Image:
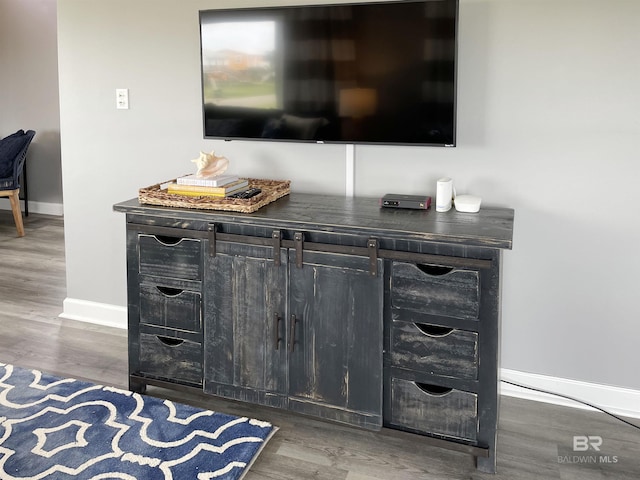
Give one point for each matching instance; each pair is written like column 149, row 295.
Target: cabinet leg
column 487, row 464
column 136, row 385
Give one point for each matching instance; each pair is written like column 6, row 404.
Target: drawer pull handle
column 434, row 270
column 169, row 292
column 170, row 342
column 168, row 241
column 277, row 336
column 434, row 390
column 433, row 330
column 292, row 340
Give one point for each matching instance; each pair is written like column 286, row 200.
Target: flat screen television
column 361, row 73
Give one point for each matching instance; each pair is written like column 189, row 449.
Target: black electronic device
column 251, row 192
column 358, row 73
column 415, row 202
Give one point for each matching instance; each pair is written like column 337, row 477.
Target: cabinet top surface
column 491, row 227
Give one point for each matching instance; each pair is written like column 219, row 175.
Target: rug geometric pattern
column 62, row 428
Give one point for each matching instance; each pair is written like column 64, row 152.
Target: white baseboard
column 38, row 207
column 619, row 401
column 94, row 312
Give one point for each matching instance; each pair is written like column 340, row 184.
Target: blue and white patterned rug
column 61, row 428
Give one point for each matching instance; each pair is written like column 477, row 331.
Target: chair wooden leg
column 17, row 214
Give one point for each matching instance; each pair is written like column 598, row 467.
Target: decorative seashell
column 209, row 165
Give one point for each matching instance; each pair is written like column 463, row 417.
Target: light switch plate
column 122, row 98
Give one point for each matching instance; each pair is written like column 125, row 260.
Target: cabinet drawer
column 170, row 256
column 433, row 409
column 435, row 291
column 170, row 307
column 436, row 350
column 171, row 358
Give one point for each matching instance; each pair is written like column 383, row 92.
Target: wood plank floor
column 531, row 436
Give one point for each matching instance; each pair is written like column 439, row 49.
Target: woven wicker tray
column 271, row 191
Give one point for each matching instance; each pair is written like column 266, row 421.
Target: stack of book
column 215, row 186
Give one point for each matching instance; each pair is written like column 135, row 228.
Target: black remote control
column 251, row 192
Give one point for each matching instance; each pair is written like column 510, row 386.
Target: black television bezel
column 331, row 142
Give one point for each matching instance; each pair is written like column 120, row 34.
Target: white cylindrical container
column 444, row 194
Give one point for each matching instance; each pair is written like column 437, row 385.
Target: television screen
column 352, row 73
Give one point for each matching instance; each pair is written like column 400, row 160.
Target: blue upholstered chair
column 13, row 152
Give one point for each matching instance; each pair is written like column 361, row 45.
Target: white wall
column 548, row 124
column 29, row 95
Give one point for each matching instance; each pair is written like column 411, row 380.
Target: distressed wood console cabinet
column 326, row 306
